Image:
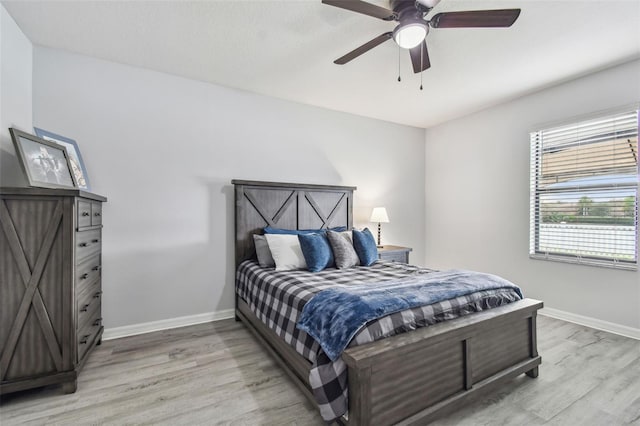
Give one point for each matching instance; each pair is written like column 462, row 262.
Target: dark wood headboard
column 288, row 206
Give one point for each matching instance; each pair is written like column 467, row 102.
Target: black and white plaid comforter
column 277, row 299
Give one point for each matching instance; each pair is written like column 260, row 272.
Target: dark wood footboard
column 415, row 377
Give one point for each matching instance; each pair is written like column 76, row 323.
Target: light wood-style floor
column 217, row 373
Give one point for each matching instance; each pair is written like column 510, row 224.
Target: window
column 584, row 192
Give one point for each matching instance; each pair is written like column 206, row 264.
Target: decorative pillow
column 265, row 259
column 270, row 230
column 286, row 252
column 317, row 251
column 343, row 251
column 348, row 235
column 365, row 246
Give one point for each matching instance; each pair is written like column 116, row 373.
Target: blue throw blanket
column 334, row 316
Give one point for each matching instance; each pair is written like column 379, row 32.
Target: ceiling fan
column 413, row 27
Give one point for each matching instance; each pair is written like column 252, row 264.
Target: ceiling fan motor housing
column 406, row 8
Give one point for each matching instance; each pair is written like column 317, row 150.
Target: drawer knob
column 97, row 322
column 84, row 276
column 97, row 295
column 95, row 241
column 85, row 213
column 85, row 244
column 85, row 339
column 97, row 214
column 97, row 268
column 85, row 307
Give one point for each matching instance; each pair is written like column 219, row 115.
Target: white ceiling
column 286, row 49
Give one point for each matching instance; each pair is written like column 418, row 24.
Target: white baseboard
column 610, row 327
column 148, row 327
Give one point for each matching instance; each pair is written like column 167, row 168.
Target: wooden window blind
column 584, row 191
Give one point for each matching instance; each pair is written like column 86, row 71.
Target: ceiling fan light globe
column 410, row 35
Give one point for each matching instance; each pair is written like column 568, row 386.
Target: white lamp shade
column 379, row 215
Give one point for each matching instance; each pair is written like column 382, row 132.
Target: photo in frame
column 45, row 163
column 77, row 164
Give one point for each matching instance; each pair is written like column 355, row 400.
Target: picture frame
column 45, row 163
column 77, row 163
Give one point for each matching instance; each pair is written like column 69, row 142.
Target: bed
column 409, row 378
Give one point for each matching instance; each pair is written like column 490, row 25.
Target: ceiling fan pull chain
column 421, row 66
column 399, row 79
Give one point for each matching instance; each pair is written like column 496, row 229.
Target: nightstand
column 394, row 253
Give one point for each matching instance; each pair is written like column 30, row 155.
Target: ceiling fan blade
column 475, row 18
column 364, row 48
column 364, row 8
column 420, row 57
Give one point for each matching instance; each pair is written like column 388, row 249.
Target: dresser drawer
column 87, row 334
column 96, row 214
column 87, row 243
column 87, row 302
column 89, row 214
column 84, row 214
column 396, row 257
column 87, row 272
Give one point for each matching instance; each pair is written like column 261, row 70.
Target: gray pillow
column 265, row 259
column 343, row 251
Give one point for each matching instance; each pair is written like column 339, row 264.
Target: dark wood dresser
column 50, row 285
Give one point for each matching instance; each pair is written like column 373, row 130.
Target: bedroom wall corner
column 16, row 93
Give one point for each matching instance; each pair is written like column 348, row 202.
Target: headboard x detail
column 288, row 206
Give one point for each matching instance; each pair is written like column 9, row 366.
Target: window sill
column 624, row 266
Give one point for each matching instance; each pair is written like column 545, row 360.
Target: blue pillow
column 316, row 251
column 365, row 246
column 270, row 230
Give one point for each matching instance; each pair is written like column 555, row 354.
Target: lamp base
column 379, row 246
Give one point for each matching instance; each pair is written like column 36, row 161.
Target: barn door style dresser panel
column 50, row 285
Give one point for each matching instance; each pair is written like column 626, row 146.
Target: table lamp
column 379, row 214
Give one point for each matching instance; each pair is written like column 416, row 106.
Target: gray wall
column 477, row 197
column 16, row 64
column 164, row 149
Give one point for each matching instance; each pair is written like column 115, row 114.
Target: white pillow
column 286, row 252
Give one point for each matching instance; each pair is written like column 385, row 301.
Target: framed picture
column 45, row 163
column 77, row 164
